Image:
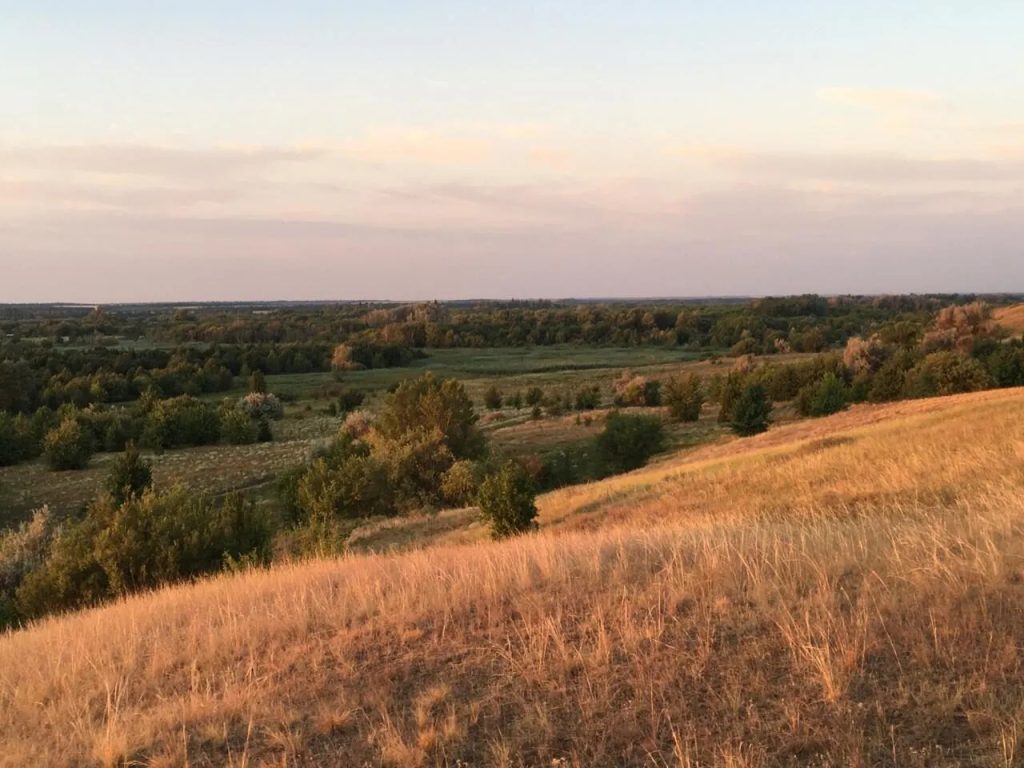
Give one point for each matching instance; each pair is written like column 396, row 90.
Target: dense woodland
column 74, row 382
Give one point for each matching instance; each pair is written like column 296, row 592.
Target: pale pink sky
column 451, row 150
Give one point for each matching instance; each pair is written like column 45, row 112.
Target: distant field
column 840, row 592
column 217, row 469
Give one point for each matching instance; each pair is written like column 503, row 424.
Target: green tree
column 684, row 397
column 258, row 382
column 828, row 396
column 429, row 403
column 507, row 500
column 67, row 446
column 731, row 388
column 628, row 441
column 130, row 477
column 752, row 411
column 492, row 398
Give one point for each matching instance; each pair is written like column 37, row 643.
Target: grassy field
column 220, row 468
column 847, row 592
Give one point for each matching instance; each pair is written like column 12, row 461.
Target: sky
column 235, row 150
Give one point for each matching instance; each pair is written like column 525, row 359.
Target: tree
column 946, row 373
column 828, row 396
column 751, row 413
column 732, row 388
column 628, row 441
column 429, row 403
column 492, row 398
column 534, row 396
column 67, row 446
column 507, row 500
column 131, row 475
column 684, row 397
column 257, row 382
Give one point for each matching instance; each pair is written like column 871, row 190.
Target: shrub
column 828, row 396
column 350, row 399
column 630, row 390
column 946, row 373
column 429, row 403
column 181, row 421
column 507, row 501
column 415, row 463
column 130, row 476
column 492, row 398
column 356, row 485
column 731, row 387
column 751, row 412
column 460, row 483
column 16, row 440
column 257, row 383
column 144, row 542
column 684, row 397
column 67, row 446
column 587, row 398
column 261, row 405
column 357, row 424
column 864, row 356
column 888, row 383
column 534, row 396
column 21, row 551
column 628, row 441
column 237, row 428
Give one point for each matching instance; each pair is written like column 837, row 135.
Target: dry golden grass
column 1011, row 317
column 848, row 591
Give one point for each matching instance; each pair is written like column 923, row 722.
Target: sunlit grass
column 848, row 591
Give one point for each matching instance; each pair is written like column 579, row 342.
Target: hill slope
column 1011, row 317
column 845, row 591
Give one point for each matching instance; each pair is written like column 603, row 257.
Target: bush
column 130, row 477
column 16, row 440
column 261, row 405
column 22, row 550
column 415, row 464
column 461, row 482
column 181, row 421
column 351, row 487
column 946, row 373
column 507, row 501
column 534, row 396
column 630, row 390
column 237, row 428
column 751, row 413
column 142, row 543
column 587, row 398
column 828, row 396
column 628, row 441
column 730, row 390
column 429, row 403
column 67, row 446
column 492, row 398
column 684, row 397
column 350, row 399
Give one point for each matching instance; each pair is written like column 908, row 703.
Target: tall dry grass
column 853, row 599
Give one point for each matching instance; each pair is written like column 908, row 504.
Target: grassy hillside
column 847, row 591
column 1011, row 317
